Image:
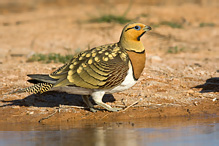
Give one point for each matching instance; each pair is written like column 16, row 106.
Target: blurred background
column 60, row 26
column 23, row 5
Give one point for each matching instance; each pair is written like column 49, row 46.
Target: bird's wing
column 101, row 67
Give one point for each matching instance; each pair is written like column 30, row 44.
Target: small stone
column 31, row 113
column 155, row 59
column 190, row 69
column 195, row 103
column 214, row 99
column 202, row 72
column 197, row 64
column 15, row 107
column 190, row 91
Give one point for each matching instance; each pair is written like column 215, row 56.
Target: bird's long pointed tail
column 36, row 88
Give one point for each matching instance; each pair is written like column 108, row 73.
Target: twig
column 49, row 116
column 125, row 108
column 128, row 9
column 71, row 106
column 58, row 110
column 136, row 102
column 104, row 116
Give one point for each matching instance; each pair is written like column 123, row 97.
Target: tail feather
column 42, row 83
column 40, row 78
column 36, row 88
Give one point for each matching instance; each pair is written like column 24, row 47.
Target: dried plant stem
column 134, row 103
column 71, row 106
column 49, row 115
column 128, row 9
column 58, row 110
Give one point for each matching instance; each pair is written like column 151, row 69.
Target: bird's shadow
column 53, row 99
column 211, row 85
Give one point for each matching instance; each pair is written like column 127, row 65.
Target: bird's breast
column 138, row 62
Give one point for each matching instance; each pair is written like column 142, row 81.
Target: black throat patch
column 138, row 38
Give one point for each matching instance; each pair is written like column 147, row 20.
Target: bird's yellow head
column 131, row 34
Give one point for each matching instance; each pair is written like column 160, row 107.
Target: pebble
column 202, row 72
column 190, row 91
column 31, row 113
column 155, row 59
column 15, row 107
column 195, row 103
column 214, row 99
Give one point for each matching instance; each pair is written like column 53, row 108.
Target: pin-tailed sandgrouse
column 105, row 69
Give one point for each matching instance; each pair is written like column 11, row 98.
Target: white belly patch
column 127, row 83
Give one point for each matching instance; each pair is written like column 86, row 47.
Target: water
column 173, row 131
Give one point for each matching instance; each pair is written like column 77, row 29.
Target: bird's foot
column 114, row 109
column 108, row 107
column 93, row 110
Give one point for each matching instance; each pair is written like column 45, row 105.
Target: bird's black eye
column 137, row 27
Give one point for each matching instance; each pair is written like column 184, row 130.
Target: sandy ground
column 182, row 83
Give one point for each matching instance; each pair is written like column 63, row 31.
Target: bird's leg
column 98, row 96
column 88, row 103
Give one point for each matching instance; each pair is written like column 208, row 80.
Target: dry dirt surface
column 181, row 76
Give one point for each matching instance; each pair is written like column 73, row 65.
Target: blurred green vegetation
column 144, row 15
column 48, row 58
column 175, row 50
column 171, row 24
column 206, row 24
column 111, row 18
column 155, row 25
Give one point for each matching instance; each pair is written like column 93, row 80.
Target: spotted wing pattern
column 102, row 67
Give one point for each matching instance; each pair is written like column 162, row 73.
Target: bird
column 105, row 69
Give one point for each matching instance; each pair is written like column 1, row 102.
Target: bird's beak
column 147, row 28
